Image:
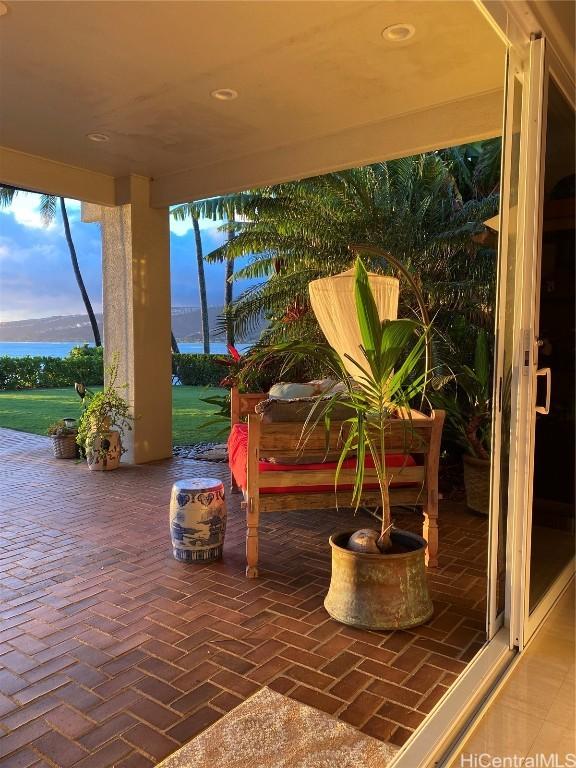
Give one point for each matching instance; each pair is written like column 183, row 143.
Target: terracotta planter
column 477, row 483
column 375, row 591
column 110, row 442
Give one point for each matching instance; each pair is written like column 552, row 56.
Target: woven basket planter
column 477, row 483
column 64, row 446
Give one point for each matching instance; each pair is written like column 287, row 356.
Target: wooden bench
column 418, row 436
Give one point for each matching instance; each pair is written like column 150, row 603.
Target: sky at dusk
column 36, row 277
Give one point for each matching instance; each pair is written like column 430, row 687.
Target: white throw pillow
column 292, row 391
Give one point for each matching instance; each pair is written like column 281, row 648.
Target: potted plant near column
column 468, row 406
column 63, row 433
column 105, row 419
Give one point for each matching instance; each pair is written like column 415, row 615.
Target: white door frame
column 525, row 351
column 495, row 617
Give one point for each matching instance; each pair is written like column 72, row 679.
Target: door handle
column 545, row 409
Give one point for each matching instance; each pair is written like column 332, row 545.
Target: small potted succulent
column 105, row 418
column 63, row 433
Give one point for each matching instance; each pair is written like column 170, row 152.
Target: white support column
column 137, row 313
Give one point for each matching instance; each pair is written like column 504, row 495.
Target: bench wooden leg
column 430, row 533
column 233, row 485
column 252, row 521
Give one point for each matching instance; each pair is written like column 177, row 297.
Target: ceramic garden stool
column 197, row 519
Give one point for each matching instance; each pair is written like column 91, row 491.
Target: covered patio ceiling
column 318, row 85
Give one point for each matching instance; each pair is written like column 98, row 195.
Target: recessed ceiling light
column 3, row 9
column 98, row 137
column 224, row 94
column 399, row 33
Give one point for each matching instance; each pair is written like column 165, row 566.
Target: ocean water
column 62, row 348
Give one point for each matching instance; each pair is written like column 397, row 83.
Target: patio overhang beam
column 40, row 174
column 458, row 122
column 450, row 124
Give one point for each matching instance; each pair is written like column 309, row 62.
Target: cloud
column 182, row 228
column 36, row 276
column 27, row 256
column 26, row 211
column 74, row 209
column 25, row 208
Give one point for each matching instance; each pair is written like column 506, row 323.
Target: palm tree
column 422, row 209
column 48, row 210
column 228, row 293
column 219, row 208
column 78, row 275
column 202, row 287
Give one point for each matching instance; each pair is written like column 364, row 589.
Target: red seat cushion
column 238, row 455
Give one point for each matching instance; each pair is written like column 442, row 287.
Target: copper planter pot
column 379, row 591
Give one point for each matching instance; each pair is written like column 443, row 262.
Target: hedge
column 88, row 367
column 48, row 372
column 198, row 370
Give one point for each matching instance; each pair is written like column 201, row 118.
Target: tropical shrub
column 198, row 370
column 427, row 211
column 466, row 396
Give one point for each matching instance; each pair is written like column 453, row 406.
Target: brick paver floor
column 114, row 654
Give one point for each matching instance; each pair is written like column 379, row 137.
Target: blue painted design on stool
column 198, row 520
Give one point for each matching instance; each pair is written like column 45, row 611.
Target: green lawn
column 32, row 410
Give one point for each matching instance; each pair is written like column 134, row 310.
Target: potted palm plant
column 105, row 418
column 378, row 577
column 469, row 414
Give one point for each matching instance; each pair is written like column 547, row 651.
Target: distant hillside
column 185, row 325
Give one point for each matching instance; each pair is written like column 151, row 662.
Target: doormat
column 269, row 730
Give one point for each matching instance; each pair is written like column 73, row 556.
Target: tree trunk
column 174, row 343
column 228, row 302
column 384, row 542
column 228, row 296
column 78, row 275
column 202, row 288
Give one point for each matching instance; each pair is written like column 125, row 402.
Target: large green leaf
column 394, row 338
column 366, row 311
column 409, row 365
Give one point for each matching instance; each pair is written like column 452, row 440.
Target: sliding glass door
column 533, row 491
column 551, row 546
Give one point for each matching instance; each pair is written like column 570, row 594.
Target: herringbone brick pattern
column 114, row 654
